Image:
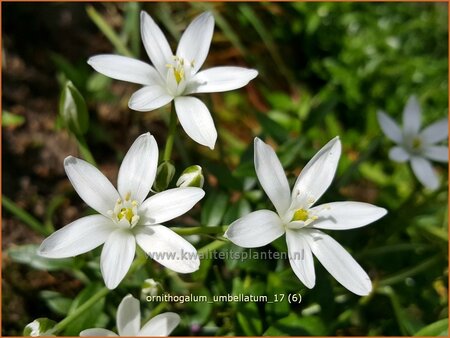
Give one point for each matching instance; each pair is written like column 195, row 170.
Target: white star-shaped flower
column 128, row 322
column 174, row 77
column 415, row 145
column 297, row 218
column 125, row 216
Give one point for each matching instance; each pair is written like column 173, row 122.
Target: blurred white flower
column 415, row 145
column 126, row 217
column 300, row 221
column 128, row 322
column 173, row 77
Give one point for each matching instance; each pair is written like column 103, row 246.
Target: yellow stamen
column 127, row 213
column 179, row 74
column 300, row 215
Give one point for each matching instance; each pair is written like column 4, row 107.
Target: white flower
column 414, row 145
column 128, row 322
column 126, row 217
column 173, row 77
column 300, row 221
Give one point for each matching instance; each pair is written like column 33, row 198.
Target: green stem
column 84, row 150
column 171, row 136
column 78, row 311
column 199, row 230
column 24, row 216
column 211, row 247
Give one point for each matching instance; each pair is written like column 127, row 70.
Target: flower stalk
column 79, row 311
column 171, row 135
column 200, row 230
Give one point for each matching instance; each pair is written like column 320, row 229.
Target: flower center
column 416, row 143
column 125, row 212
column 300, row 215
column 180, row 68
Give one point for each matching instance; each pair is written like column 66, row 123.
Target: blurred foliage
column 325, row 69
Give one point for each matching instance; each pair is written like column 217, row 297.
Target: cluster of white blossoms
column 128, row 217
column 174, row 77
column 414, row 145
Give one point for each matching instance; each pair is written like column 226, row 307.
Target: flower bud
column 38, row 327
column 73, row 109
column 164, row 175
column 191, row 177
column 150, row 287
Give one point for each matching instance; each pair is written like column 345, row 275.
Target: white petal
column 168, row 248
column 437, row 153
column 117, row 256
column 346, row 215
column 128, row 316
column 155, row 44
column 271, row 176
column 339, row 263
column 80, row 236
column 161, row 325
column 91, row 185
column 300, row 257
column 389, row 127
column 220, row 79
column 149, row 98
column 398, row 154
column 125, row 69
column 412, row 116
column 196, row 39
column 256, row 229
column 317, row 175
column 97, row 332
column 169, row 204
column 196, row 120
column 138, row 169
column 424, row 172
column 435, row 132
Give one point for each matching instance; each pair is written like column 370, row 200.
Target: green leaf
column 237, row 210
column 27, row 254
column 249, row 319
column 73, row 109
column 12, row 120
column 214, row 209
column 272, row 128
column 91, row 317
column 56, row 302
column 293, row 325
column 438, row 328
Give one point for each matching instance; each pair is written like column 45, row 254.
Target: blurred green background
column 325, row 69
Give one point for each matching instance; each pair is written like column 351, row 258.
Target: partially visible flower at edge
column 174, row 77
column 414, row 145
column 128, row 322
column 296, row 217
column 126, row 217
